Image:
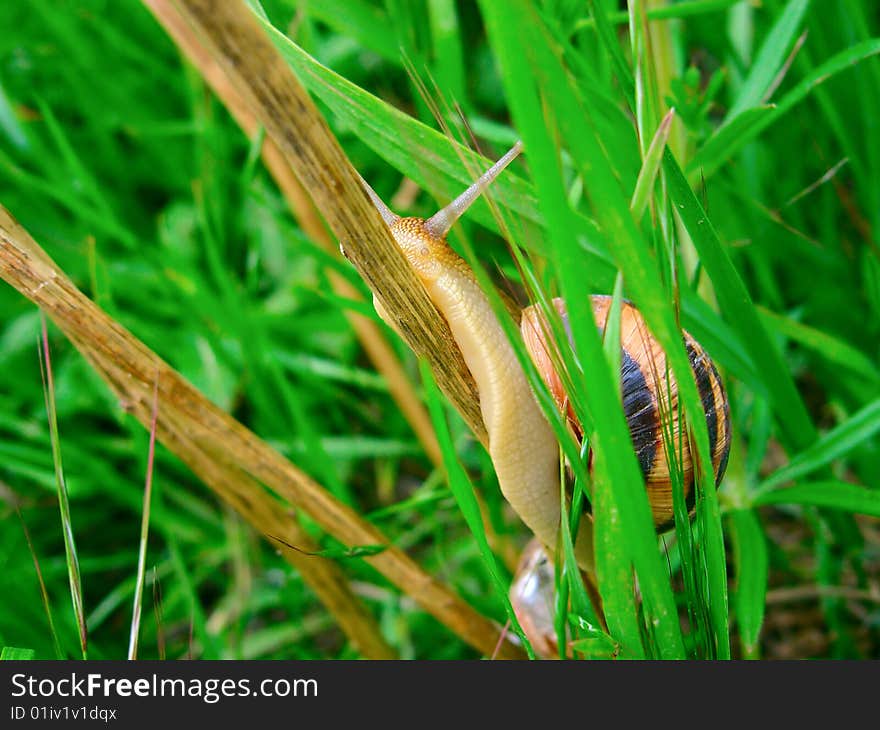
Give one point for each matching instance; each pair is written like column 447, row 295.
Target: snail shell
column 650, row 399
column 533, row 598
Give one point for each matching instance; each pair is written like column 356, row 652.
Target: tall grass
column 756, row 231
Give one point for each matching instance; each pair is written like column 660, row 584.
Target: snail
column 522, row 445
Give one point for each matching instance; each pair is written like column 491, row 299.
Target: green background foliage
column 761, row 234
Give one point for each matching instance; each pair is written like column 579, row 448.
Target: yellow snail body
column 522, row 446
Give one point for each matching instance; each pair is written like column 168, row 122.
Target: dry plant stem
column 231, row 459
column 140, row 398
column 276, row 98
column 368, row 333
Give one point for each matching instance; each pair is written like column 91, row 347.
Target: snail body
column 522, row 445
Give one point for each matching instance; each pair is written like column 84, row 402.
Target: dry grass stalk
column 230, row 458
column 276, row 98
column 368, row 333
column 22, row 260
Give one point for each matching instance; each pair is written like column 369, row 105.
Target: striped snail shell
column 650, row 400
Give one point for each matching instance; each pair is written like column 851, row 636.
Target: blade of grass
column 644, row 281
column 614, row 460
column 13, row 653
column 718, row 149
column 210, row 644
column 751, row 561
column 853, row 432
column 792, row 418
column 61, row 487
column 572, row 596
column 725, row 140
column 770, row 58
column 365, row 23
column 145, row 528
column 832, row 494
column 10, row 126
column 613, row 566
column 157, row 613
column 646, row 49
column 44, row 595
column 651, row 167
column 68, row 158
column 447, row 52
column 683, row 9
column 720, row 340
column 832, row 349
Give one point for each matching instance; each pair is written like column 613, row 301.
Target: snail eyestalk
column 439, row 224
column 388, row 215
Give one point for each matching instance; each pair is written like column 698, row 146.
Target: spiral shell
column 533, row 598
column 650, row 400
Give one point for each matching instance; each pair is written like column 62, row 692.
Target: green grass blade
column 364, row 22
column 570, row 585
column 831, row 494
column 10, row 127
column 211, row 645
column 839, row 62
column 720, row 340
column 510, row 30
column 432, row 160
column 600, row 646
column 608, row 36
column 794, row 422
column 12, row 654
column 727, row 139
column 447, row 52
column 833, row 349
column 612, row 564
column 645, row 282
column 69, row 159
column 770, row 58
column 751, row 562
column 852, row 433
column 44, row 595
column 73, row 571
column 145, row 528
column 651, row 167
column 614, row 571
column 611, row 334
column 683, row 9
